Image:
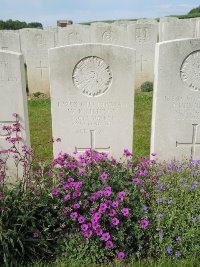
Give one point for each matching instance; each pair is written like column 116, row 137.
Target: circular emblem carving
column 92, row 76
column 108, row 36
column 190, row 71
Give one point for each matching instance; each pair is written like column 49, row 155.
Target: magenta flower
column 67, row 197
column 104, row 176
column 81, row 219
column 84, row 227
column 93, row 210
column 153, row 154
column 115, row 221
column 55, row 191
column 102, row 207
column 127, row 153
column 76, row 206
column 107, row 193
column 82, row 171
column 36, row 234
column 88, row 233
column 74, row 215
column 15, row 115
column 125, row 212
column 136, row 180
column 70, row 180
column 99, row 231
column 121, row 195
column 112, row 213
column 95, row 225
column 115, row 204
column 105, row 236
column 109, row 244
column 109, row 188
column 121, row 255
column 144, row 223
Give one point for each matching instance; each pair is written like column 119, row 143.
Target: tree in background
column 195, row 10
column 16, row 25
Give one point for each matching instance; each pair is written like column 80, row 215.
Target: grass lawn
column 40, row 125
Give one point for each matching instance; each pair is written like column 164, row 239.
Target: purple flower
column 125, row 212
column 140, row 248
column 178, row 238
column 82, row 171
column 146, row 208
column 67, row 197
column 70, row 180
column 144, row 223
column 74, row 215
column 99, row 231
column 104, row 176
column 109, row 244
column 161, row 234
column 115, row 221
column 177, row 254
column 169, row 200
column 160, row 216
column 95, row 225
column 112, row 213
column 55, row 191
column 121, row 195
column 194, row 219
column 102, row 207
column 88, row 233
column 81, row 219
column 107, row 193
column 76, row 206
column 153, row 154
column 136, row 180
column 115, row 204
column 169, row 250
column 105, row 236
column 121, row 255
column 36, row 234
column 159, row 200
column 84, row 227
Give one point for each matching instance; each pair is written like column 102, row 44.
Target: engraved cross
column 193, row 144
column 92, row 145
column 41, row 69
column 141, row 61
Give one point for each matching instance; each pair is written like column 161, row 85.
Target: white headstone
column 110, row 34
column 182, row 28
column 92, row 98
column 35, row 44
column 10, row 40
column 147, row 21
column 12, row 100
column 162, row 22
column 74, row 34
column 176, row 104
column 143, row 38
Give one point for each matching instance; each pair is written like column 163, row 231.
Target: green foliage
column 174, row 210
column 16, row 25
column 195, row 10
column 147, row 86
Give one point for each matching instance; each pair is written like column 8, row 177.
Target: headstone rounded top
column 92, row 76
column 190, row 70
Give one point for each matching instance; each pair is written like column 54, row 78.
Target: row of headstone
column 141, row 35
column 92, row 98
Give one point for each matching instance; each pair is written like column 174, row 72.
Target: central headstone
column 176, row 106
column 92, row 94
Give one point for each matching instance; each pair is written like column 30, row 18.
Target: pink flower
column 67, row 197
column 105, row 236
column 109, row 244
column 127, row 153
column 70, row 180
column 55, row 191
column 136, row 180
column 144, row 223
column 125, row 212
column 153, row 154
column 88, row 233
column 115, row 221
column 104, row 176
column 82, row 171
column 115, row 204
column 36, row 234
column 112, row 213
column 76, row 206
column 121, row 255
column 74, row 215
column 107, row 193
column 99, row 231
column 102, row 207
column 15, row 115
column 81, row 219
column 84, row 227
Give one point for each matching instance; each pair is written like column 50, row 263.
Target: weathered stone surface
column 92, row 98
column 74, row 34
column 109, row 34
column 35, row 44
column 176, row 104
column 10, row 40
column 12, row 100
